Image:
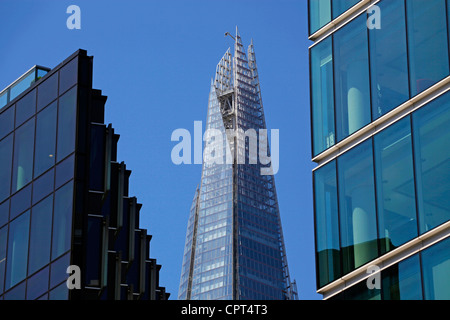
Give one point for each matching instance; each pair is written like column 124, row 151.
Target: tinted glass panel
column 3, row 238
column 327, row 224
column 436, row 271
column 45, row 154
column 389, row 68
column 20, row 202
column 428, row 46
column 68, row 75
column 41, row 228
column 432, row 159
column 357, row 206
column 59, row 293
column 6, row 122
column 5, row 166
column 23, row 156
column 58, row 270
column 402, row 281
column 351, row 70
column 25, row 108
column 340, row 6
column 16, row 268
column 65, row 171
column 322, row 96
column 4, row 212
column 43, row 186
column 62, row 220
column 18, row 293
column 37, row 284
column 47, row 91
column 67, row 117
column 22, row 85
column 395, row 185
column 319, row 14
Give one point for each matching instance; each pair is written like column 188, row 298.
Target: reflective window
column 22, row 85
column 45, row 154
column 402, row 281
column 37, row 284
column 25, row 107
column 65, row 171
column 43, row 186
column 17, row 293
column 431, row 126
column 47, row 91
column 3, row 242
column 67, row 117
column 68, row 75
column 319, row 14
column 20, row 202
column 6, row 150
column 428, row 43
column 40, row 235
column 6, row 122
column 357, row 207
column 58, row 270
column 436, row 271
column 322, row 96
column 59, row 293
column 4, row 213
column 351, row 71
column 16, row 269
column 62, row 220
column 389, row 67
column 340, row 6
column 327, row 224
column 395, row 185
column 23, row 155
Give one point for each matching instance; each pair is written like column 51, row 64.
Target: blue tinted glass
column 18, row 293
column 43, row 186
column 4, row 212
column 40, row 233
column 403, row 281
column 6, row 151
column 431, row 126
column 6, row 122
column 65, row 171
column 23, row 155
column 47, row 91
column 68, row 76
column 395, row 185
column 389, row 68
column 428, row 43
column 436, row 271
column 58, row 270
column 322, row 96
column 357, row 206
column 327, row 224
column 67, row 116
column 20, row 202
column 37, row 284
column 23, row 84
column 16, row 268
column 62, row 220
column 340, row 6
column 351, row 71
column 25, row 108
column 59, row 293
column 319, row 14
column 45, row 154
column 3, row 242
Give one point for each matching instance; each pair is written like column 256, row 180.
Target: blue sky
column 155, row 60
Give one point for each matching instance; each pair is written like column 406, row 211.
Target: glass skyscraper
column 234, row 243
column 64, row 196
column 380, row 111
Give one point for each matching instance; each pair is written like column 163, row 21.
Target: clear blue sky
column 155, row 60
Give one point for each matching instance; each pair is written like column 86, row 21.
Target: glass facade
column 234, row 248
column 376, row 186
column 368, row 80
column 322, row 12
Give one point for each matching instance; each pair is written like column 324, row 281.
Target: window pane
column 3, row 238
column 4, row 213
column 59, row 293
column 18, row 293
column 16, row 269
column 68, row 75
column 45, row 140
column 41, row 228
column 20, row 202
column 47, row 91
column 62, row 220
column 351, row 71
column 65, row 171
column 340, row 6
column 327, row 224
column 22, row 85
column 431, row 126
column 436, row 271
column 43, row 186
column 66, row 123
column 319, row 14
column 6, row 151
column 58, row 271
column 402, row 281
column 23, row 155
column 37, row 284
column 6, row 122
column 428, row 43
column 357, row 207
column 25, row 107
column 395, row 185
column 389, row 68
column 322, row 96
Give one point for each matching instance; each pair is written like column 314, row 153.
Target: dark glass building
column 64, row 196
column 380, row 111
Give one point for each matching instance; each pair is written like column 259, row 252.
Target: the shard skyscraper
column 234, row 246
